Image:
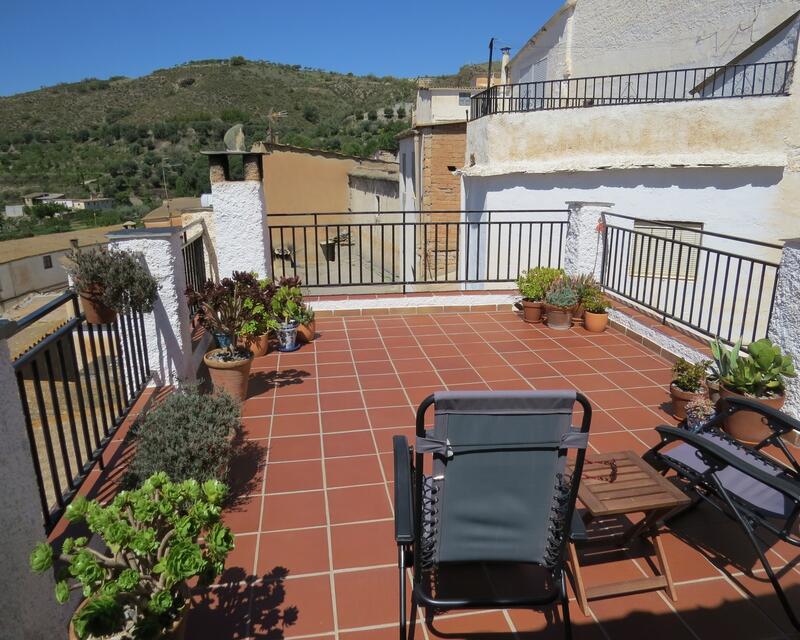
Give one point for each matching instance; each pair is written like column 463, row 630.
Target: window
column 663, row 251
column 48, row 262
column 463, row 98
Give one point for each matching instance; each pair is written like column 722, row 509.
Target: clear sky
column 43, row 42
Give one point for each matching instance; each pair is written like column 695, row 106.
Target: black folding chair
column 757, row 490
column 487, row 528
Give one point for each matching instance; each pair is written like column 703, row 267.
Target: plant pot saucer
column 297, row 345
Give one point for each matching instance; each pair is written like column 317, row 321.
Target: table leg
column 663, row 566
column 580, row 590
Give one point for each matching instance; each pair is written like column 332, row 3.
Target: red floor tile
column 294, row 448
column 356, row 504
column 310, row 599
column 293, row 511
column 303, row 551
column 363, row 545
column 348, row 444
column 346, row 472
column 294, row 476
column 295, row 424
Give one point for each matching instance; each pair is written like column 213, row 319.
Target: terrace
column 315, row 555
column 404, row 309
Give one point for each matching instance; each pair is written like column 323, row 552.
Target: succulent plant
column 759, row 374
column 689, row 376
column 138, row 586
column 562, row 295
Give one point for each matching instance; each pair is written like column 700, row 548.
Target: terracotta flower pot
column 96, row 312
column 176, row 632
column 558, row 318
column 595, row 322
column 681, row 398
column 578, row 316
column 231, row 376
column 306, row 332
column 532, row 312
column 746, row 426
column 259, row 345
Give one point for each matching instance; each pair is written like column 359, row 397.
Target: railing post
column 583, row 245
column 167, row 330
column 784, row 323
column 29, row 606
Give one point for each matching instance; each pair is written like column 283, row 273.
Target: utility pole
column 489, row 74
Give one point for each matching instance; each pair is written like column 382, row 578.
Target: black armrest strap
column 403, row 501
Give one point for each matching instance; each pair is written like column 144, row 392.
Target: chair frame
column 408, row 531
column 708, row 488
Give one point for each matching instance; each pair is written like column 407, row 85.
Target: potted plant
column 286, row 305
column 758, row 374
column 584, row 285
column 261, row 324
column 111, row 281
column 533, row 285
column 139, row 586
column 222, row 311
column 561, row 300
column 595, row 314
column 687, row 384
column 306, row 329
column 699, row 412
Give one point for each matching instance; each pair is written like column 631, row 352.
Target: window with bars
column 664, row 251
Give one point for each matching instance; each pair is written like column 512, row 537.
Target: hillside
column 112, row 135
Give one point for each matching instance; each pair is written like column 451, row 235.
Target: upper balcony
column 674, row 85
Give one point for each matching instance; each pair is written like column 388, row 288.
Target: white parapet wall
column 167, row 332
column 784, row 327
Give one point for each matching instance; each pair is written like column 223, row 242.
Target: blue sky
column 46, row 42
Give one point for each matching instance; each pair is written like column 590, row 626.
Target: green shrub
column 534, row 283
column 689, row 376
column 594, row 301
column 123, row 283
column 238, row 61
column 186, row 436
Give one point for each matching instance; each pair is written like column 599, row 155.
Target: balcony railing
column 194, row 259
column 674, row 85
column 711, row 283
column 392, row 250
column 77, row 384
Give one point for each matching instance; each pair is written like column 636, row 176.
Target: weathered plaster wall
column 733, row 132
column 599, row 37
column 785, row 323
column 240, row 219
column 374, row 193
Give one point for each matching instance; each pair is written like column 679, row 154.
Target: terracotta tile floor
column 315, row 556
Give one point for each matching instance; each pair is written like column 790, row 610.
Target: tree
column 388, row 113
column 401, row 113
column 237, row 61
column 372, row 115
column 311, row 114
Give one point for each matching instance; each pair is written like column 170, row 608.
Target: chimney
column 504, row 65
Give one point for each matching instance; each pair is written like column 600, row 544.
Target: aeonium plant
column 259, row 304
column 223, row 309
column 138, row 587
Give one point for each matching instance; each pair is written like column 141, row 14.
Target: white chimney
column 504, row 65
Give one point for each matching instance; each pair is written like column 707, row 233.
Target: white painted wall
column 408, row 159
column 596, row 37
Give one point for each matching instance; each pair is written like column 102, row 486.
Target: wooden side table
column 628, row 486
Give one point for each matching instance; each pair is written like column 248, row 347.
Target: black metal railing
column 724, row 290
column 673, row 85
column 194, row 263
column 401, row 248
column 77, row 384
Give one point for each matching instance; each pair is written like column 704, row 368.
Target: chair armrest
column 403, row 500
column 788, row 487
column 577, row 532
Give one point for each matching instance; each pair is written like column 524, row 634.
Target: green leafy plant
column 222, row 308
column 760, row 373
column 562, row 295
column 689, row 376
column 188, row 435
column 139, row 586
column 534, row 283
column 116, row 278
column 305, row 315
column 594, row 301
column 585, row 286
column 287, row 302
column 259, row 304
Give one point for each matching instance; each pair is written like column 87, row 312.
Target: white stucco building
column 655, row 145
